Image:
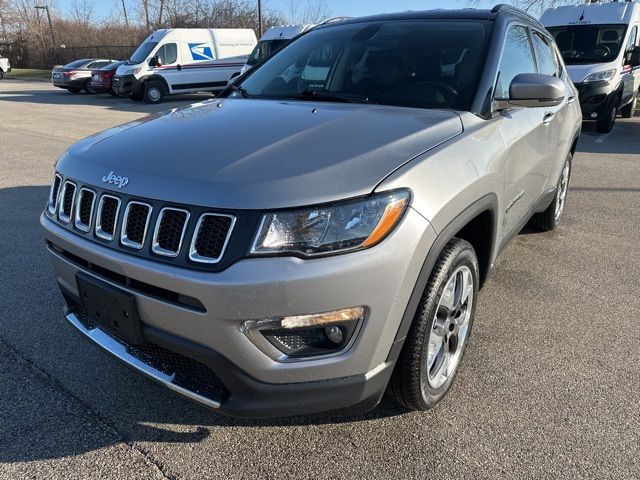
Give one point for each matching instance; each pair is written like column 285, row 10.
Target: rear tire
column 153, row 93
column 74, row 90
column 550, row 218
column 88, row 88
column 606, row 124
column 630, row 110
column 1, row 74
column 439, row 334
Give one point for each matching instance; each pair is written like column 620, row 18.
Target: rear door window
column 517, row 57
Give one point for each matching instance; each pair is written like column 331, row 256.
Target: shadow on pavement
column 62, row 396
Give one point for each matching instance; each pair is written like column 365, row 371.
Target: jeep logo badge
column 117, row 180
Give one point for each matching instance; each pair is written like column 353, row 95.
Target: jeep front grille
column 84, row 209
column 53, row 194
column 169, row 233
column 66, row 203
column 211, row 236
column 135, row 224
column 149, row 228
column 108, row 209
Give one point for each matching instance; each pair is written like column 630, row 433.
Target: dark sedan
column 76, row 76
column 102, row 78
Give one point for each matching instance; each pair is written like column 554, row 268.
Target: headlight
column 323, row 229
column 133, row 71
column 600, row 76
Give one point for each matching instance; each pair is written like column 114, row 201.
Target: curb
column 27, row 79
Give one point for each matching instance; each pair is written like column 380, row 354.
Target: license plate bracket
column 111, row 308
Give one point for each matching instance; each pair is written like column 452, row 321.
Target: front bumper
column 125, row 84
column 255, row 383
column 596, row 99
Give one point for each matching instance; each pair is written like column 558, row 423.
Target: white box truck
column 182, row 60
column 5, row 66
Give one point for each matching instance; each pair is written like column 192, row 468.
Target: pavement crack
column 147, row 457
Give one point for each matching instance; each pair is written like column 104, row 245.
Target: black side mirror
column 632, row 57
column 154, row 61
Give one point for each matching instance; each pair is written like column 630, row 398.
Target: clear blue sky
column 350, row 8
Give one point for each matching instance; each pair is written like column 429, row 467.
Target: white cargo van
column 600, row 45
column 273, row 40
column 182, row 60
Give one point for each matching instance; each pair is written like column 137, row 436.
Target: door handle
column 548, row 116
column 179, row 67
column 571, row 99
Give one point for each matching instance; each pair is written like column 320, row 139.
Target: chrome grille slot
column 53, row 194
column 135, row 224
column 169, row 232
column 210, row 238
column 67, row 198
column 84, row 209
column 107, row 216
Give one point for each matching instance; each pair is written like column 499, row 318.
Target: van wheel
column 550, row 218
column 606, row 124
column 153, row 93
column 440, row 330
column 630, row 110
column 1, row 74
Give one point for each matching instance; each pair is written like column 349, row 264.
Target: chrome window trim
column 61, row 215
column 193, row 254
column 156, row 248
column 124, row 240
column 99, row 232
column 77, row 222
column 53, row 202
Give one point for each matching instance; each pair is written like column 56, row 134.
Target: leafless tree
column 311, row 11
column 82, row 11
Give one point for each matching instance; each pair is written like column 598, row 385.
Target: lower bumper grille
column 173, row 370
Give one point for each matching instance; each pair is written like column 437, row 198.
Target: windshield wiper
column 241, row 90
column 308, row 94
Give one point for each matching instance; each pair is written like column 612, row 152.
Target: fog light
column 594, row 115
column 307, row 335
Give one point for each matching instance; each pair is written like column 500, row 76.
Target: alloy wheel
column 562, row 191
column 450, row 327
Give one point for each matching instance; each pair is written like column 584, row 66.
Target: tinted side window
column 168, row 54
column 546, row 59
column 517, row 58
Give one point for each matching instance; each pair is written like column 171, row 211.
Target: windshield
column 265, row 48
column 412, row 63
column 589, row 43
column 143, row 51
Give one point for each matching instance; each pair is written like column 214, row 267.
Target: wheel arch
column 477, row 224
column 156, row 78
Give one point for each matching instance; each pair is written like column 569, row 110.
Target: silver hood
column 258, row 154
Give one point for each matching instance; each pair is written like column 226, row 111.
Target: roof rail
column 504, row 8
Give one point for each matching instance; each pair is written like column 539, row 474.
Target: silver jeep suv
column 318, row 234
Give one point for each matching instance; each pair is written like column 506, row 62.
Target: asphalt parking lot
column 549, row 388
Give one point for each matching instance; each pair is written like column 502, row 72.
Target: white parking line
column 602, row 138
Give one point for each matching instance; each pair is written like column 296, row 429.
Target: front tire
column 440, row 330
column 550, row 218
column 606, row 124
column 630, row 110
column 74, row 90
column 1, row 74
column 153, row 93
